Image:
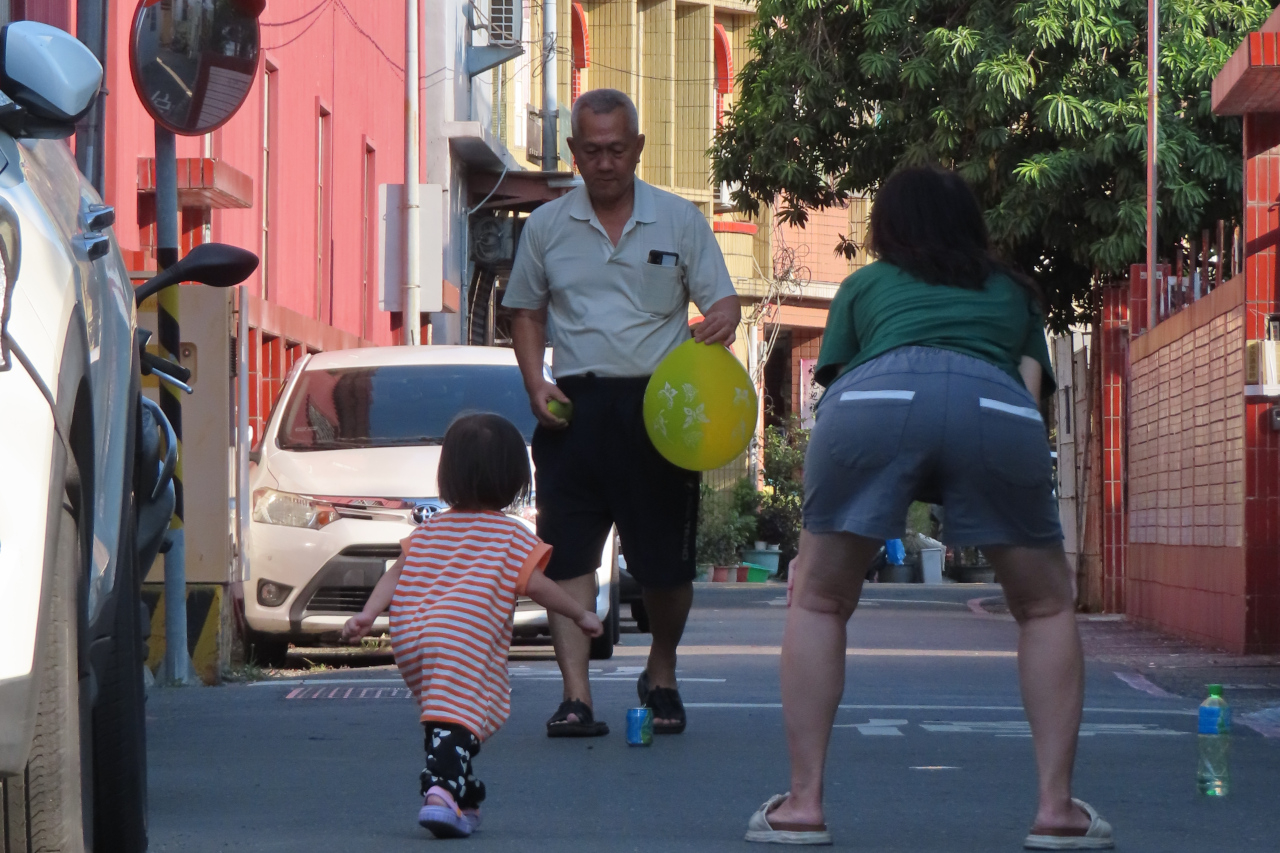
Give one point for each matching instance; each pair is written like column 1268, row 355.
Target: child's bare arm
column 548, row 593
column 362, row 623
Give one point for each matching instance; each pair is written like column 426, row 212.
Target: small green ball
column 563, row 411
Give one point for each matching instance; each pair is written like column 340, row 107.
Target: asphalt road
column 931, row 753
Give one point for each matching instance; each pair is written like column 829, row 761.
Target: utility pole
column 412, row 208
column 177, row 659
column 1153, row 80
column 550, row 110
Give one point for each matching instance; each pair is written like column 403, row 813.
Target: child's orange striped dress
column 451, row 614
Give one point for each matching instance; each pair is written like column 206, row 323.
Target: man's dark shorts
column 603, row 470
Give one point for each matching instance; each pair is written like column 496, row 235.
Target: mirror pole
column 412, row 315
column 176, row 660
column 91, row 29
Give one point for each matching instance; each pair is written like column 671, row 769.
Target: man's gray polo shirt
column 610, row 311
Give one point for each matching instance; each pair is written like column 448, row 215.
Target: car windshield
column 398, row 405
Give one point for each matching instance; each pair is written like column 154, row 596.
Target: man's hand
column 590, row 624
column 538, row 397
column 791, row 578
column 357, row 626
column 720, row 324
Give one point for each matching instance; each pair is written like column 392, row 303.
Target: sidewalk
column 1164, row 665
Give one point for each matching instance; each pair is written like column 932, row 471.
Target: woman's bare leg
column 829, row 570
column 1040, row 592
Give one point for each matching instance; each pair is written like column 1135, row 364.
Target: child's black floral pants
column 450, row 748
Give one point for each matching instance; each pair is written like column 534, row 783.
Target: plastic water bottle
column 1212, row 778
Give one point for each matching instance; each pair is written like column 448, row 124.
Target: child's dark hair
column 484, row 463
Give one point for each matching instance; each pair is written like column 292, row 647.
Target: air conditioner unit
column 494, row 240
column 724, row 196
column 505, row 20
column 504, row 25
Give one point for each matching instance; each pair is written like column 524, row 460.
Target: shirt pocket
column 661, row 290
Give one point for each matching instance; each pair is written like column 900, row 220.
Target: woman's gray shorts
column 928, row 424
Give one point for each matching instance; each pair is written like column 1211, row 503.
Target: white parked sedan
column 347, row 466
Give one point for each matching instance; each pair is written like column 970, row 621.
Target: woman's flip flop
column 1096, row 837
column 759, row 829
column 586, row 726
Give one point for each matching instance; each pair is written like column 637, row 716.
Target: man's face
column 607, row 153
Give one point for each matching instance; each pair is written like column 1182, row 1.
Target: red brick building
column 1189, row 486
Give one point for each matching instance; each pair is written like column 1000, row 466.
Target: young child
column 452, row 595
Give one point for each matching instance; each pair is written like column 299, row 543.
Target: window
column 398, row 405
column 266, row 186
column 581, row 51
column 724, row 74
column 368, row 239
column 324, row 282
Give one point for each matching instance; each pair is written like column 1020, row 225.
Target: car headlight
column 272, row 594
column 289, row 510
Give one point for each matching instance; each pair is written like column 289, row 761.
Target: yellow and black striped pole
column 177, row 659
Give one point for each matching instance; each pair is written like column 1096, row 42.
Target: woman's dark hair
column 927, row 221
column 484, row 463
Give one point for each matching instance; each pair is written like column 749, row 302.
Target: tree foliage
column 1041, row 105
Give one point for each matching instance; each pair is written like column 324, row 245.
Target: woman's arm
column 379, row 600
column 1030, row 371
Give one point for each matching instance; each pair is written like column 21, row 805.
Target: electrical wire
column 306, row 14
column 371, row 39
column 506, row 166
column 300, row 33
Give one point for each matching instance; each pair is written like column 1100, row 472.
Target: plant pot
column 720, row 574
column 765, row 559
column 740, row 573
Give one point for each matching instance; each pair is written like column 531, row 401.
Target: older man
column 610, row 269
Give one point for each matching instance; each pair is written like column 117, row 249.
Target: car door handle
column 92, row 245
column 97, row 217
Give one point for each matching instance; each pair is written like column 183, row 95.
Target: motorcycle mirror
column 214, row 264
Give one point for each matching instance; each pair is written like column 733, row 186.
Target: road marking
column 1265, row 722
column 876, row 602
column 596, row 678
column 1021, row 728
column 688, row 651
column 935, row 767
column 1140, row 682
column 874, row 727
column 349, row 693
column 751, row 706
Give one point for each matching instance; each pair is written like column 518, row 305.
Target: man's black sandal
column 587, row 725
column 666, row 705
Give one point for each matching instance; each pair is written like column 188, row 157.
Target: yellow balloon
column 700, row 407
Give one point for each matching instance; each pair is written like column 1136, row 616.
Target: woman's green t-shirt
column 882, row 307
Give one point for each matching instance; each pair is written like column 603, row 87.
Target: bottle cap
column 1215, row 690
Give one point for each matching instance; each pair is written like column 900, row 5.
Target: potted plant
column 723, row 529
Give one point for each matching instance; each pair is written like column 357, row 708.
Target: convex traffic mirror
column 193, row 61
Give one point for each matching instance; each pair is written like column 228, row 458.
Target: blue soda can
column 640, row 727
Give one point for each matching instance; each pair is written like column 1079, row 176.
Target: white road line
column 736, row 651
column 1140, row 682
column 778, row 705
column 1021, row 728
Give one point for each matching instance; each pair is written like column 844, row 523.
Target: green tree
column 1041, row 105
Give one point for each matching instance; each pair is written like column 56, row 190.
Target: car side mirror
column 214, row 264
column 48, row 80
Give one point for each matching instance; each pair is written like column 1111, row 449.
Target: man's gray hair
column 603, row 102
